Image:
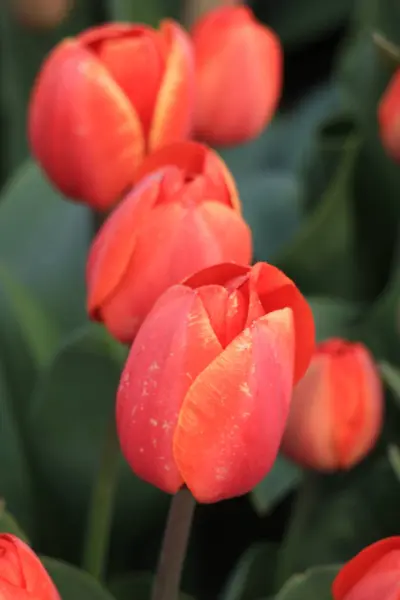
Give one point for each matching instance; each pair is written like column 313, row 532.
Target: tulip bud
column 22, row 575
column 373, row 574
column 106, row 98
column 336, row 411
column 205, row 392
column 182, row 216
column 239, row 75
column 389, row 118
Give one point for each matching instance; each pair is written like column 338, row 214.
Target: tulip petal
column 227, row 311
column 276, row 291
column 171, row 243
column 221, row 274
column 82, row 128
column 98, row 33
column 353, row 572
column 234, row 414
column 112, row 249
column 172, row 347
column 173, row 112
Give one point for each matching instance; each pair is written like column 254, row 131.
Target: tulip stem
column 101, row 507
column 174, row 546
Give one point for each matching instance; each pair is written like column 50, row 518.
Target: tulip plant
column 245, row 402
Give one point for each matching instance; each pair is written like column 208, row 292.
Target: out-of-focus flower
column 22, row 575
column 389, row 118
column 336, row 411
column 103, row 100
column 182, row 216
column 239, row 75
column 40, row 14
column 206, row 389
column 374, row 574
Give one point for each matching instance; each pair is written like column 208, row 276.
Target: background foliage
column 323, row 202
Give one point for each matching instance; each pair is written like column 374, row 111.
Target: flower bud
column 205, row 393
column 183, row 215
column 389, row 118
column 22, row 575
column 239, row 75
column 106, row 98
column 373, row 574
column 336, row 411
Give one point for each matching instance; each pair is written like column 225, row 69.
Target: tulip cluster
column 217, row 346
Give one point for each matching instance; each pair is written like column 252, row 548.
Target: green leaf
column 283, row 478
column 334, row 317
column 137, row 586
column 313, row 584
column 394, row 459
column 8, row 524
column 150, row 12
column 70, row 414
column 391, row 376
column 44, row 242
column 16, row 484
column 253, row 574
column 74, row 584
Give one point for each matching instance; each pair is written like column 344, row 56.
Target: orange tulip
column 206, row 389
column 105, row 99
column 239, row 75
column 183, row 215
column 389, row 118
column 336, row 411
column 22, row 575
column 374, row 574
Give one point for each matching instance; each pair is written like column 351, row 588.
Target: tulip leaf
column 314, row 583
column 8, row 524
column 44, row 241
column 283, row 478
column 334, row 317
column 137, row 586
column 74, row 584
column 394, row 459
column 253, row 574
column 71, row 410
column 391, row 376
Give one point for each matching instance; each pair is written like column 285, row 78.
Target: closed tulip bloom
column 239, row 75
column 106, row 98
column 22, row 575
column 374, row 574
column 205, row 392
column 182, row 216
column 337, row 408
column 389, row 118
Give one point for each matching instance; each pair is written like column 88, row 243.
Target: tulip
column 106, row 98
column 22, row 575
column 389, row 118
column 183, row 215
column 373, row 574
column 239, row 75
column 336, row 411
column 205, row 392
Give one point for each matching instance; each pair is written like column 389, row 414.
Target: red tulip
column 389, row 118
column 239, row 75
column 106, row 98
column 205, row 392
column 184, row 215
column 336, row 411
column 374, row 574
column 22, row 575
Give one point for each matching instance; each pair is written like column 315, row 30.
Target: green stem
column 299, row 521
column 174, row 546
column 101, row 506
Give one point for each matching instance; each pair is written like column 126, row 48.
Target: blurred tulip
column 239, row 75
column 389, row 118
column 41, row 14
column 205, row 392
column 184, row 215
column 336, row 411
column 22, row 575
column 105, row 99
column 374, row 574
